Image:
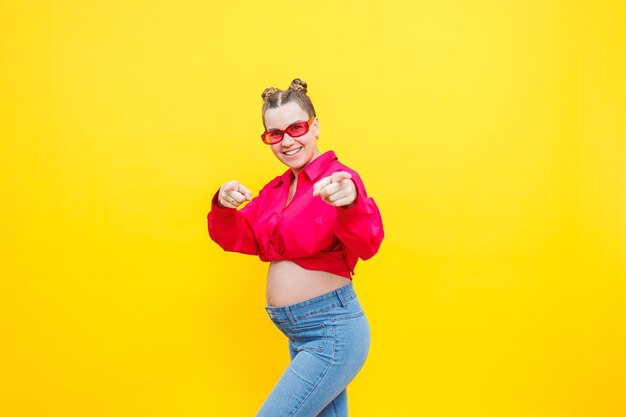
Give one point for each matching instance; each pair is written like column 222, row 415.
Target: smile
column 293, row 151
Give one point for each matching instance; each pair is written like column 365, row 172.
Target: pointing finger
column 317, row 187
column 231, row 185
column 243, row 190
column 329, row 189
column 238, row 197
column 340, row 176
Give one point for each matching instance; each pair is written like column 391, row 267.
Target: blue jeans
column 329, row 338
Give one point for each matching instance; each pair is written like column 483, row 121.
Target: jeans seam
column 334, row 342
column 316, row 385
column 347, row 316
column 335, row 407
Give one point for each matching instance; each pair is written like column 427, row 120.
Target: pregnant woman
column 312, row 224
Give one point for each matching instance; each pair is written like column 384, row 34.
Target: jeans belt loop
column 292, row 320
column 342, row 298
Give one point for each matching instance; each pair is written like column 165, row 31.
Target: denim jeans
column 329, row 339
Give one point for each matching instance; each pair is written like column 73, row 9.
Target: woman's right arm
column 232, row 229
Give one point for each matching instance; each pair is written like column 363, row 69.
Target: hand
column 337, row 189
column 232, row 194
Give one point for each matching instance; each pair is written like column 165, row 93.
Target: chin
column 292, row 165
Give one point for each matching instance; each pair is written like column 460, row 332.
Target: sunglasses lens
column 273, row 136
column 297, row 129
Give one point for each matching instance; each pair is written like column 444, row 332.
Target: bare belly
column 289, row 283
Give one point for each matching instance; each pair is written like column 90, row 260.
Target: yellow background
column 492, row 136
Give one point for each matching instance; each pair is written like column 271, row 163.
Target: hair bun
column 269, row 92
column 298, row 85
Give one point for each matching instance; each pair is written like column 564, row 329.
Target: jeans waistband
column 320, row 303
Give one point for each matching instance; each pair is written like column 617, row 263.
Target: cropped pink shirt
column 308, row 231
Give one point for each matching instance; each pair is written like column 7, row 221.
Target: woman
column 311, row 224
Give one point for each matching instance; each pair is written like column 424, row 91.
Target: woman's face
column 305, row 146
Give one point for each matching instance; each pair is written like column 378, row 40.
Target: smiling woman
column 312, row 223
column 298, row 150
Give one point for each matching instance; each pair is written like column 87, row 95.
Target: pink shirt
column 309, row 231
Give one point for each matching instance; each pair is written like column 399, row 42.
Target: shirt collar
column 314, row 169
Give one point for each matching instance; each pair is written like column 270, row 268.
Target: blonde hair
column 296, row 92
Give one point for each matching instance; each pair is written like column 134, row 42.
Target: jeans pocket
column 311, row 338
column 347, row 316
column 351, row 310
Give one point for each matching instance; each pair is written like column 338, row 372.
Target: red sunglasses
column 270, row 137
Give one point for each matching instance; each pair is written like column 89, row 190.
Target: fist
column 337, row 189
column 232, row 194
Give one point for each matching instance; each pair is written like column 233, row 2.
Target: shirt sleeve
column 232, row 229
column 359, row 226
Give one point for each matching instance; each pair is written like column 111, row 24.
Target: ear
column 316, row 127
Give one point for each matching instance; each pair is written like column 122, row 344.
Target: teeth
column 292, row 152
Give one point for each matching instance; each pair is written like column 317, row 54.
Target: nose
column 287, row 140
